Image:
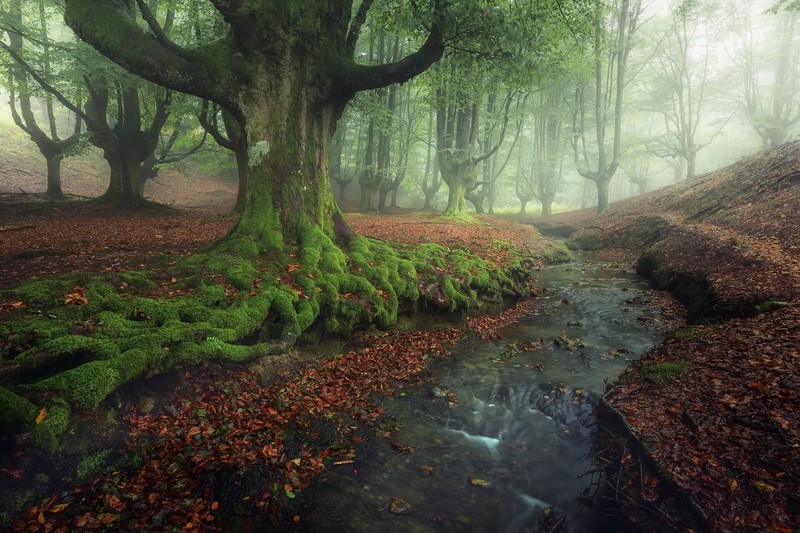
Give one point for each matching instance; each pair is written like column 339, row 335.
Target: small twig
column 14, row 228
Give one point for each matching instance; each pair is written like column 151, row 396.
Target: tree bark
column 54, row 190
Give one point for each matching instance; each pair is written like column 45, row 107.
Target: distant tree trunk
column 523, row 206
column 125, row 145
column 627, row 17
column 547, row 205
column 369, row 177
column 54, row 176
column 429, row 189
column 233, row 139
column 375, row 156
column 50, row 146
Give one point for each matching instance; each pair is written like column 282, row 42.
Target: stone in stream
column 399, row 506
column 438, row 392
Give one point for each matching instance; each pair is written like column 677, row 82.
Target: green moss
column 46, row 434
column 71, row 344
column 83, row 387
column 92, row 464
column 586, row 241
column 770, row 305
column 330, row 290
column 663, row 372
column 132, row 364
column 16, row 413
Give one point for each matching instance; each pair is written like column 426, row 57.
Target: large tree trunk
column 691, row 164
column 288, row 128
column 147, row 171
column 124, row 181
column 457, row 190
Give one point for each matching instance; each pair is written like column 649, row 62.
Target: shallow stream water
column 500, row 432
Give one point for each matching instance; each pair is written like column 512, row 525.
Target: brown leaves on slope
column 83, row 236
column 480, row 238
column 728, row 430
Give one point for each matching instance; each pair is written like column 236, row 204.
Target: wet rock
column 438, row 392
column 147, row 405
column 399, row 506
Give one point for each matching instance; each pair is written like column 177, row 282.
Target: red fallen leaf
column 115, row 503
column 75, row 298
column 402, row 448
column 59, row 508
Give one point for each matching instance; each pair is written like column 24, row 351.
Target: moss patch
column 665, row 372
column 18, row 413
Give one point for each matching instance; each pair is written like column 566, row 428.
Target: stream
column 500, row 432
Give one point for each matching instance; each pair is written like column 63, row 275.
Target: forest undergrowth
column 55, row 383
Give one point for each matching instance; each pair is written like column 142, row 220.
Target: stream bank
column 230, row 448
column 497, row 437
column 704, row 432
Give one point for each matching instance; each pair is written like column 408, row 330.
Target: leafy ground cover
column 185, row 452
column 714, row 412
column 237, row 451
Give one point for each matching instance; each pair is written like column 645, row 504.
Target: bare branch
column 159, row 34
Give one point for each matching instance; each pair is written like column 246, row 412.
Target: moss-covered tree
column 285, row 70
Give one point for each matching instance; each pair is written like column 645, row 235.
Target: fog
column 705, row 83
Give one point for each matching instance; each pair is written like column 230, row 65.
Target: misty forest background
column 535, row 108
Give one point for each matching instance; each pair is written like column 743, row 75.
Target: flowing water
column 500, row 432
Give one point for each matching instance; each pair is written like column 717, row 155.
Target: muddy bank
column 704, row 432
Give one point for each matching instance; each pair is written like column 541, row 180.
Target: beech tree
column 23, row 91
column 679, row 91
column 285, row 70
column 614, row 30
column 768, row 88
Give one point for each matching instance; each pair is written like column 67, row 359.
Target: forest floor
column 715, row 408
column 227, row 444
